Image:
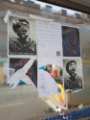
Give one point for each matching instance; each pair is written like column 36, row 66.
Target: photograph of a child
column 20, row 40
column 71, row 41
column 22, row 71
column 73, row 79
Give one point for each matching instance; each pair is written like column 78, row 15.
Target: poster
column 71, row 42
column 73, row 76
column 49, row 39
column 22, row 71
column 51, row 84
column 21, row 41
column 50, row 65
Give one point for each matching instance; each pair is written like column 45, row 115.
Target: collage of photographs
column 55, row 79
column 53, row 74
column 73, row 76
column 21, row 43
column 17, row 69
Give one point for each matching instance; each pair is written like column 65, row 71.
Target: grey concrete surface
column 21, row 103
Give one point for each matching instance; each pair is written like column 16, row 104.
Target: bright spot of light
column 12, row 0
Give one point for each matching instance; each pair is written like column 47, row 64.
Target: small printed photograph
column 71, row 42
column 51, row 84
column 73, row 74
column 22, row 72
column 21, row 41
column 3, row 72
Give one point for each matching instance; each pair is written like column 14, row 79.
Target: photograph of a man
column 20, row 41
column 72, row 80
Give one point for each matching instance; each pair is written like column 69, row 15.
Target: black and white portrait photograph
column 73, row 75
column 21, row 41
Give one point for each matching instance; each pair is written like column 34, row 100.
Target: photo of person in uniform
column 21, row 42
column 72, row 80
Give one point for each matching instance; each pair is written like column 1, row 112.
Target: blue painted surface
column 75, row 115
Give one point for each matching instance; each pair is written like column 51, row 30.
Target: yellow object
column 58, row 99
column 1, row 75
